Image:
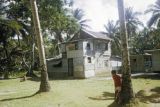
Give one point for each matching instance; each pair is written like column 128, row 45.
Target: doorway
column 70, row 67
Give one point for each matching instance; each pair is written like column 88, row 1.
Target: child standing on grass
column 117, row 83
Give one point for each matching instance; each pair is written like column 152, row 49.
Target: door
column 70, row 67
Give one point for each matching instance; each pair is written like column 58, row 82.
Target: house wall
column 102, row 64
column 137, row 63
column 156, row 61
column 89, row 67
column 102, row 56
column 100, row 45
column 78, row 67
column 88, row 53
column 77, row 55
column 57, row 71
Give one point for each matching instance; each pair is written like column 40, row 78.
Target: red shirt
column 117, row 80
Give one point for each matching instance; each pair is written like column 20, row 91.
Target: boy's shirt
column 117, row 80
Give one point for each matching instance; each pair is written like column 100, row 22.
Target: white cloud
column 100, row 11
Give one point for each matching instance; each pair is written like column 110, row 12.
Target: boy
column 117, row 83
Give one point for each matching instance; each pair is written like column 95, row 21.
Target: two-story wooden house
column 86, row 54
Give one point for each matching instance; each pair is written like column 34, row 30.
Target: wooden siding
column 156, row 61
column 75, row 54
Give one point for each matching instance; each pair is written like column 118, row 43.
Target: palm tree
column 44, row 86
column 132, row 21
column 79, row 14
column 112, row 30
column 9, row 28
column 126, row 94
column 155, row 10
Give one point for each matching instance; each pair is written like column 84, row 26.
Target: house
column 155, row 59
column 148, row 62
column 140, row 63
column 85, row 55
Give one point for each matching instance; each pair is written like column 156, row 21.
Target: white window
column 106, row 63
column 88, row 46
column 89, row 60
column 106, row 46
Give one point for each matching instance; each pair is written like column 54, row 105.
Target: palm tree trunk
column 44, row 86
column 6, row 73
column 127, row 91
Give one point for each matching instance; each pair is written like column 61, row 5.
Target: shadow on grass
column 104, row 96
column 38, row 79
column 114, row 104
column 154, row 97
column 10, row 99
column 154, row 76
column 64, row 78
column 35, row 79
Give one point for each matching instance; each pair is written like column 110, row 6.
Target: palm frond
column 153, row 20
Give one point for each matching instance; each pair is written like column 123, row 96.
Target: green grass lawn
column 74, row 93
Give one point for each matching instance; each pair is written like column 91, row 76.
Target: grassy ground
column 75, row 93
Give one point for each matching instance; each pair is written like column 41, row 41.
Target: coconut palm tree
column 132, row 21
column 112, row 30
column 126, row 94
column 155, row 17
column 44, row 86
column 79, row 14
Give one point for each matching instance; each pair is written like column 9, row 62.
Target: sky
column 100, row 11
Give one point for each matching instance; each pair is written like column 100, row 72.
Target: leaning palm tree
column 155, row 18
column 79, row 14
column 44, row 86
column 112, row 30
column 126, row 94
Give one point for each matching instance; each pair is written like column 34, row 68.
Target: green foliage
column 155, row 10
column 112, row 30
column 132, row 21
column 79, row 14
column 54, row 18
column 147, row 39
column 19, row 10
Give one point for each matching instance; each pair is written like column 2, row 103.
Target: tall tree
column 19, row 10
column 79, row 14
column 44, row 86
column 9, row 28
column 132, row 24
column 112, row 30
column 132, row 21
column 155, row 17
column 126, row 94
column 55, row 19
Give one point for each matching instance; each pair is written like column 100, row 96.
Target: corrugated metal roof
column 86, row 34
column 97, row 35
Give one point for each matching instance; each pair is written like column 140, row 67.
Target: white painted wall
column 85, row 51
column 116, row 64
column 74, row 54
